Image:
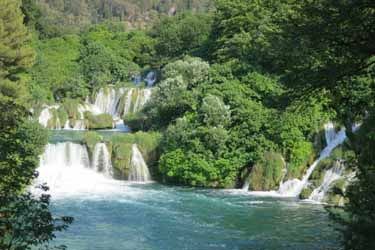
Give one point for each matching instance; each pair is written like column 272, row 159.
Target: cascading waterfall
column 143, row 97
column 292, row 188
column 105, row 100
column 67, row 170
column 330, row 133
column 101, row 159
column 44, row 117
column 138, row 167
column 61, row 166
column 128, row 101
column 108, row 101
column 330, row 176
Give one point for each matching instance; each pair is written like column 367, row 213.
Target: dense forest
column 243, row 87
column 59, row 17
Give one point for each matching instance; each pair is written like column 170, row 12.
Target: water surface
column 152, row 216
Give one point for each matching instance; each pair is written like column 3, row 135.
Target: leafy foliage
column 25, row 221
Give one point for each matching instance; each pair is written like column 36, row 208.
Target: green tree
column 360, row 226
column 15, row 52
column 184, row 34
column 25, row 220
column 328, row 45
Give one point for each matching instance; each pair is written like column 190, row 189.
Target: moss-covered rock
column 120, row 147
column 135, row 121
column 121, row 156
column 53, row 121
column 335, row 199
column 317, row 175
column 306, row 192
column 339, row 187
column 102, row 121
column 267, row 173
column 91, row 139
column 71, row 108
column 63, row 115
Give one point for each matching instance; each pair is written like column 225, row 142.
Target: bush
column 197, row 169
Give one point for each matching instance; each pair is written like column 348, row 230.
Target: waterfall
column 146, row 96
column 330, row 133
column 44, row 117
column 114, row 102
column 142, row 98
column 67, row 125
column 246, row 185
column 150, row 78
column 66, row 169
column 138, row 168
column 128, row 101
column 102, row 160
column 330, row 176
column 79, row 125
column 105, row 101
column 59, row 158
column 294, row 187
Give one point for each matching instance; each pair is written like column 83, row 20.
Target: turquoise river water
column 156, row 217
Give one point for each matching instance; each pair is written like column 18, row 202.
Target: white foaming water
column 330, row 133
column 120, row 126
column 67, row 170
column 246, row 185
column 107, row 101
column 138, row 168
column 67, row 125
column 128, row 101
column 102, row 160
column 142, row 97
column 292, row 188
column 44, row 117
column 146, row 96
column 330, row 176
column 79, row 125
column 58, row 124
